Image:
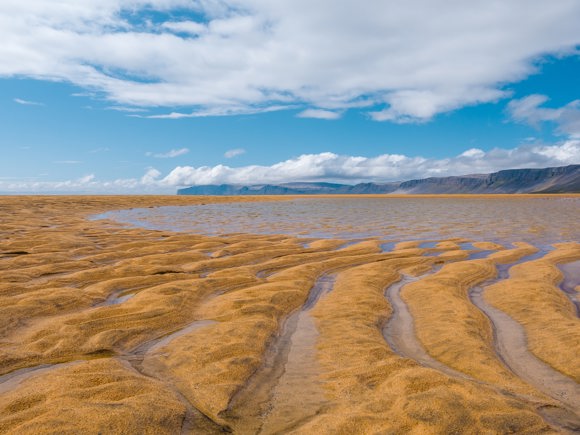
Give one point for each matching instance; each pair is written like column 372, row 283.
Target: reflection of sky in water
column 537, row 220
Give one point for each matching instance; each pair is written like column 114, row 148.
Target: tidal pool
column 538, row 220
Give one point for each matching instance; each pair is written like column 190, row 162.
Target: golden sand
column 530, row 296
column 110, row 329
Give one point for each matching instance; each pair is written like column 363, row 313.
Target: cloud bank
column 403, row 61
column 386, row 167
column 322, row 167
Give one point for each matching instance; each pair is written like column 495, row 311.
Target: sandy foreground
column 110, row 329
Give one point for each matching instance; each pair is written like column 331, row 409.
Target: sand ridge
column 548, row 316
column 107, row 328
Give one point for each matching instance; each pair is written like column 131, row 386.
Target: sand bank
column 108, row 328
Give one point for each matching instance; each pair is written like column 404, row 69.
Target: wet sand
column 106, row 328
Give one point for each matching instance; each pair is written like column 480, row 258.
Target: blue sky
column 149, row 96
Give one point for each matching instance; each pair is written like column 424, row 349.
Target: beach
column 111, row 328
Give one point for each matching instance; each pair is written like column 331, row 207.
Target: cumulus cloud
column 150, row 177
column 386, row 167
column 406, row 61
column 473, row 153
column 320, row 167
column 319, row 114
column 527, row 110
column 234, row 153
column 169, row 154
column 27, row 102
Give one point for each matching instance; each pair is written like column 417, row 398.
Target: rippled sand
column 106, row 328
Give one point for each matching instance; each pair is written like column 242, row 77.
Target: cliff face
column 565, row 179
column 467, row 184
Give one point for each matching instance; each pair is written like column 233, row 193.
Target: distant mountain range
column 564, row 179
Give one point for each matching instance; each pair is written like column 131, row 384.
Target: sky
column 148, row 96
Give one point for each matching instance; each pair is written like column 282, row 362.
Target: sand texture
column 108, row 328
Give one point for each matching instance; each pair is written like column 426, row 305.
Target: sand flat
column 105, row 327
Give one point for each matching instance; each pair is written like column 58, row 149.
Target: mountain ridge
column 562, row 179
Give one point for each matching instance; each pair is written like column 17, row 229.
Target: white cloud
column 527, row 110
column 473, row 153
column 568, row 152
column 234, row 153
column 169, row 154
column 319, row 167
column 126, row 109
column 407, row 60
column 150, row 177
column 319, row 114
column 85, row 183
column 190, row 27
column 421, row 105
column 86, row 179
column 217, row 111
column 386, row 167
column 27, row 102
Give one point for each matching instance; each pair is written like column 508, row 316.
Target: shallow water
column 571, row 281
column 571, row 273
column 13, row 379
column 116, row 298
column 511, row 345
column 286, row 390
column 399, row 331
column 538, row 220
